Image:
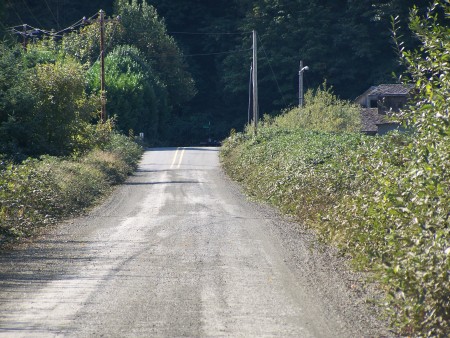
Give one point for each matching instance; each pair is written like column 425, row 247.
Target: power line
column 31, row 31
column 273, row 73
column 210, row 33
column 219, row 53
column 51, row 12
column 32, row 14
column 72, row 26
column 17, row 13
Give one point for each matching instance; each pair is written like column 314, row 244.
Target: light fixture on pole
column 300, row 83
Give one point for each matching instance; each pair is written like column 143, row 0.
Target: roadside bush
column 62, row 109
column 23, row 190
column 389, row 196
column 43, row 106
column 383, row 205
column 126, row 149
column 294, row 170
column 395, row 222
column 43, row 191
column 322, row 111
column 114, row 167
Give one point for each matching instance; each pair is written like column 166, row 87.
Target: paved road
column 176, row 251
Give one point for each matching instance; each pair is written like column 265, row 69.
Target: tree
column 428, row 68
column 16, row 99
column 401, row 198
column 44, row 107
column 61, row 109
column 135, row 94
column 146, row 31
column 141, row 53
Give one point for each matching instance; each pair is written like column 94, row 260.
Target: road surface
column 177, row 251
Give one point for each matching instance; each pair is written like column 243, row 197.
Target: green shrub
column 45, row 190
column 385, row 201
column 114, row 167
column 374, row 198
column 136, row 96
column 293, row 170
column 125, row 148
column 322, row 111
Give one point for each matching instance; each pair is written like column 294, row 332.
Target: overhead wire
column 271, row 69
column 51, row 12
column 32, row 14
column 17, row 13
column 94, row 63
column 109, row 43
column 71, row 27
column 219, row 53
column 208, row 33
column 31, row 31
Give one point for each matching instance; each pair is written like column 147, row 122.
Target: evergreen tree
column 144, row 29
column 135, row 95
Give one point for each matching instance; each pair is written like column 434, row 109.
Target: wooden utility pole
column 102, row 66
column 24, row 43
column 255, row 83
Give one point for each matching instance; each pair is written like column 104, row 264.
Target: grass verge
column 42, row 191
column 376, row 198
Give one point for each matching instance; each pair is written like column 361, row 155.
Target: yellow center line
column 177, row 158
column 181, row 158
column 174, row 158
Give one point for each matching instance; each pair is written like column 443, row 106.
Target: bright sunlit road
column 175, row 251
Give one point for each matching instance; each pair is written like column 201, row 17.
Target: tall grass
column 43, row 191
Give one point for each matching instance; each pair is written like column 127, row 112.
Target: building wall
column 394, row 103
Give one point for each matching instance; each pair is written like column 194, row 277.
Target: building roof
column 390, row 89
column 370, row 119
column 383, row 90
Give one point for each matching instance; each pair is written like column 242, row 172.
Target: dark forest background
column 346, row 43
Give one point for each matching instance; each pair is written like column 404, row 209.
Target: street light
column 300, row 83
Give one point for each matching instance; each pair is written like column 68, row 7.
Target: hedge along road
column 178, row 251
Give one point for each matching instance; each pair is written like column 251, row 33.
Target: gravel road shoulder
column 321, row 270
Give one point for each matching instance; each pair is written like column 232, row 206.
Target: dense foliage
column 145, row 81
column 41, row 191
column 135, row 94
column 346, row 42
column 384, row 201
column 291, row 163
column 49, row 93
column 323, row 111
